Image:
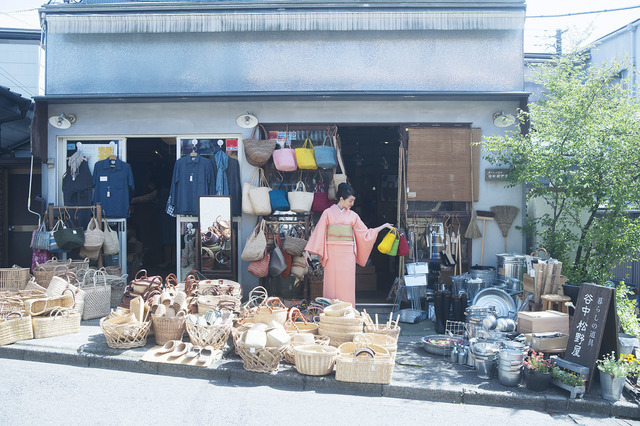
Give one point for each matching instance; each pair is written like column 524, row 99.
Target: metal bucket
column 485, row 367
column 474, row 286
column 485, row 273
column 511, row 265
column 510, row 355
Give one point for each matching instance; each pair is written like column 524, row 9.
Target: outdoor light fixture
column 247, row 121
column 62, row 121
column 501, row 119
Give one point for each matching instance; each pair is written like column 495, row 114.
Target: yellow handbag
column 387, row 242
column 305, row 157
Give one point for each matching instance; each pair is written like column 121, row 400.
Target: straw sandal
column 170, row 346
column 206, row 354
column 181, row 349
column 194, row 351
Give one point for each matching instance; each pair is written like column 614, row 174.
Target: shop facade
column 151, row 78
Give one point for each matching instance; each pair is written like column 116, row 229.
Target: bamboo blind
column 439, row 163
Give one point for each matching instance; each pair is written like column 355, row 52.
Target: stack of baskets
column 43, row 273
column 262, row 347
column 219, row 294
column 364, row 364
column 15, row 324
column 382, row 340
column 53, row 316
column 14, row 278
column 127, row 328
column 341, row 323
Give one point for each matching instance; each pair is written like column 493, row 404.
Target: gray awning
column 250, row 21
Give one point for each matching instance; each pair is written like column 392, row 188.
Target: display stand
column 56, row 212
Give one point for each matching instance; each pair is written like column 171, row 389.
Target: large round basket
column 339, row 328
column 13, row 279
column 168, row 328
column 264, row 360
column 125, row 336
column 337, row 309
column 341, row 321
column 289, row 355
column 383, row 329
column 337, row 338
column 315, row 360
column 215, row 336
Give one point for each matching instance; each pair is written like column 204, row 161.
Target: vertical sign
column 594, row 328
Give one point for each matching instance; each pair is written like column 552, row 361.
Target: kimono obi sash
column 340, row 233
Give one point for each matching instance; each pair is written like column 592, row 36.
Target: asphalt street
column 37, row 393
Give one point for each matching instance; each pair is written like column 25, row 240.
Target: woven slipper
column 208, row 353
column 181, row 349
column 194, row 351
column 169, row 346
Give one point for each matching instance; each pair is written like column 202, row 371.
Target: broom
column 472, row 230
column 505, row 216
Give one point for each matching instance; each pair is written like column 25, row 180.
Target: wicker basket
column 271, row 309
column 364, row 368
column 339, row 328
column 14, row 301
column 257, row 151
column 315, row 360
column 383, row 340
column 57, row 323
column 236, row 333
column 220, row 287
column 14, row 278
column 125, row 336
column 383, row 329
column 264, row 360
column 166, row 329
column 79, row 264
column 43, row 274
column 206, row 303
column 215, row 336
column 113, row 270
column 289, row 355
column 316, row 286
column 341, row 321
column 14, row 328
column 294, row 246
column 338, row 338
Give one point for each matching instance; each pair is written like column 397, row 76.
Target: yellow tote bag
column 387, row 242
column 304, row 156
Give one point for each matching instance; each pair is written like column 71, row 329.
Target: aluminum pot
column 510, row 355
column 485, row 367
column 511, row 265
column 471, row 359
column 509, row 378
column 512, row 344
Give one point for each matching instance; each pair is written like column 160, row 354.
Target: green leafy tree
column 581, row 156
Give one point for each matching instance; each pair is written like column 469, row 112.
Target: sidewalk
column 417, row 375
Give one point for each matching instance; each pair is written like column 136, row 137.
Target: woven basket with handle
column 258, row 151
column 56, row 323
column 15, row 327
column 125, row 336
column 215, row 336
column 265, row 360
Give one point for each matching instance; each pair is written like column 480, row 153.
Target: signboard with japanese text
column 594, row 328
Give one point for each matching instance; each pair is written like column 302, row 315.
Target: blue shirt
column 192, row 177
column 113, row 187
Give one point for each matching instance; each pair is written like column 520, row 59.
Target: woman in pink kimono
column 342, row 240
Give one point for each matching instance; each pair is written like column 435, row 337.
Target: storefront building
column 151, row 77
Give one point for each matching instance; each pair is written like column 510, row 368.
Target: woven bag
column 60, row 286
column 14, row 278
column 293, row 243
column 111, row 243
column 300, row 200
column 93, row 236
column 304, row 156
column 256, row 244
column 257, row 151
column 285, row 159
column 57, row 323
column 43, row 275
column 15, row 327
column 260, row 268
column 325, row 155
column 259, row 197
column 370, row 364
column 321, row 200
column 40, row 238
column 97, row 299
column 272, row 309
column 247, row 207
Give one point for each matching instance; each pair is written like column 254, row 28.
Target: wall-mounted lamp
column 247, row 121
column 502, row 119
column 62, row 121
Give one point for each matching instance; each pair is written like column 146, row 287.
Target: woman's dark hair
column 345, row 191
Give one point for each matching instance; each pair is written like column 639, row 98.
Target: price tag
column 108, row 194
column 104, row 178
column 191, row 178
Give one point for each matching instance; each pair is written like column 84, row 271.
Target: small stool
column 555, row 302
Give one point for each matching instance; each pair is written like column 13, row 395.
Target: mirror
column 216, row 237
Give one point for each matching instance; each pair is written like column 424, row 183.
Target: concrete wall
column 284, row 61
column 203, row 118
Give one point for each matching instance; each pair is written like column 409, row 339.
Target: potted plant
column 537, row 371
column 614, row 372
column 568, row 380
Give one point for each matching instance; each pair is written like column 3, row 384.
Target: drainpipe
column 634, row 44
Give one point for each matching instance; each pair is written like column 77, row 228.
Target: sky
column 539, row 32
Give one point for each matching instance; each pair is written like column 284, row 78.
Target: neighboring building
column 19, row 50
column 153, row 76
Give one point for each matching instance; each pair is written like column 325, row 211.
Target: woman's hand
column 386, row 225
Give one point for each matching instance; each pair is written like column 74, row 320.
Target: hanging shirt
column 233, row 183
column 113, row 187
column 78, row 191
column 192, row 177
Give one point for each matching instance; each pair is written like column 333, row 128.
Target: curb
column 231, row 372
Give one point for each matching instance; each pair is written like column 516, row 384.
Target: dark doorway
column 151, row 233
column 371, row 158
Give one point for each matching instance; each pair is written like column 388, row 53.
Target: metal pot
column 485, row 367
column 509, row 378
column 510, row 355
column 512, row 344
column 490, row 322
column 511, row 265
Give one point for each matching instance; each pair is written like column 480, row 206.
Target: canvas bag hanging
column 97, row 298
column 257, row 151
column 321, row 200
column 278, row 198
column 325, row 155
column 247, row 207
column 338, row 178
column 285, row 158
column 259, row 197
column 387, row 242
column 40, row 238
column 299, row 267
column 69, row 238
column 277, row 263
column 111, row 243
column 300, row 200
column 256, row 244
column 403, row 246
column 394, row 247
column 53, row 245
column 304, row 156
column 93, row 236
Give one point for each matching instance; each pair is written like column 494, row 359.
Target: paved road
column 37, row 393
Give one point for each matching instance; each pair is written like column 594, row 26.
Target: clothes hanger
column 112, row 157
column 194, row 153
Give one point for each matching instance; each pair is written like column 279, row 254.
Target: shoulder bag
column 256, row 244
column 111, row 242
column 278, row 197
column 277, row 263
column 258, row 151
column 259, row 197
column 40, row 237
column 321, row 200
column 285, row 158
column 300, row 200
column 304, row 156
column 325, row 156
column 247, row 207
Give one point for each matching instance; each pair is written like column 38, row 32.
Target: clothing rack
column 54, row 212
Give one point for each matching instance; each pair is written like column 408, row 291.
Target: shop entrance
column 151, row 233
column 371, row 158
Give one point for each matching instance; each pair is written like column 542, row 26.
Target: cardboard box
column 541, row 322
column 547, row 341
column 366, row 278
